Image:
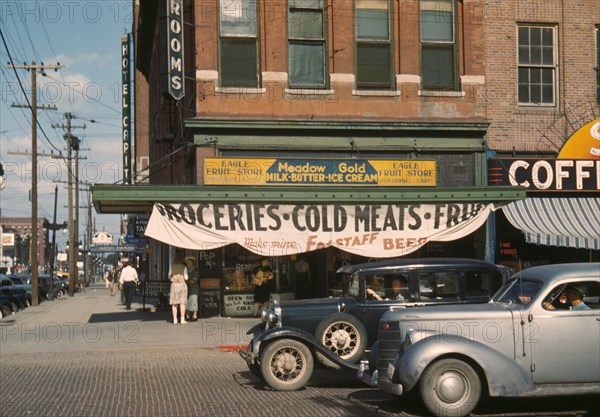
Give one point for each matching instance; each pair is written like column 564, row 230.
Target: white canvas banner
column 379, row 231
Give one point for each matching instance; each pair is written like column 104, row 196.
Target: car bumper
column 366, row 377
column 390, row 387
column 250, row 354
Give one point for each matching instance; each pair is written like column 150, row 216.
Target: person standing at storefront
column 262, row 278
column 128, row 281
column 193, row 288
column 179, row 293
column 303, row 281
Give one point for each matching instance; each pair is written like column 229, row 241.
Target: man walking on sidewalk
column 128, row 281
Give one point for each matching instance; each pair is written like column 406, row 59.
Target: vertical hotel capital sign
column 175, row 49
column 126, row 110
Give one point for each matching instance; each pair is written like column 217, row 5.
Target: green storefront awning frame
column 140, row 198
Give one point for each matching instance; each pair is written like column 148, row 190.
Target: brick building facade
column 443, row 80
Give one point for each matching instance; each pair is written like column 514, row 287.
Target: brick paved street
column 87, row 356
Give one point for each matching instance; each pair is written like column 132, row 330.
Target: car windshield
column 346, row 285
column 517, row 291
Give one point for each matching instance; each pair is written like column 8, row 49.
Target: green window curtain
column 306, row 64
column 238, row 63
column 307, row 50
column 438, row 45
column 438, row 67
column 373, row 45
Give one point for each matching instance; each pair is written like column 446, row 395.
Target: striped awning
column 567, row 222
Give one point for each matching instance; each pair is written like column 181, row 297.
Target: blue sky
column 85, row 37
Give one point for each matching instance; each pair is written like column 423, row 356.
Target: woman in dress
column 179, row 293
column 193, row 288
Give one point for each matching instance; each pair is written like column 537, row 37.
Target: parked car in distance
column 337, row 331
column 538, row 336
column 24, row 281
column 21, row 293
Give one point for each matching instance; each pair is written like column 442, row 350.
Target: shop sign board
column 284, row 171
column 380, row 231
column 175, row 61
column 238, row 304
column 546, row 175
column 118, row 248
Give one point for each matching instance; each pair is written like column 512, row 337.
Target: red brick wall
column 531, row 129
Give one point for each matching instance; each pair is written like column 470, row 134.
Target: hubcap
column 451, row 387
column 287, row 364
column 342, row 339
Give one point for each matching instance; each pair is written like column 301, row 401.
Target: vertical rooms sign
column 175, row 48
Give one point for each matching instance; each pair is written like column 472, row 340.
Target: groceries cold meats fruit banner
column 379, row 231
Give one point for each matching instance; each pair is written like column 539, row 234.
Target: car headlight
column 269, row 317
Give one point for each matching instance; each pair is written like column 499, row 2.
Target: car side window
column 375, row 286
column 477, row 284
column 438, row 285
column 584, row 295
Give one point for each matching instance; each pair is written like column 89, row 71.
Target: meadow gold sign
column 281, row 171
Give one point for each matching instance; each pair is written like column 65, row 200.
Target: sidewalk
column 93, row 320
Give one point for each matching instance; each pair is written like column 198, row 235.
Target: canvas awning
column 567, row 222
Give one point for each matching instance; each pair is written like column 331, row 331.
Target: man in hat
column 575, row 294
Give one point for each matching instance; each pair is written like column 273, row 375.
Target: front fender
column 303, row 336
column 504, row 376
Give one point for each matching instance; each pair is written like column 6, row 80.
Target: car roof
column 416, row 263
column 548, row 273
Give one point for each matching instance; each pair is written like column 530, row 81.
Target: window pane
column 437, row 68
column 524, row 36
column 536, row 93
column 438, row 286
column 373, row 66
column 306, row 24
column 436, row 26
column 547, row 39
column 547, row 55
column 536, row 55
column 524, row 55
column 307, row 65
column 523, row 93
column 306, row 4
column 372, row 24
column 238, row 17
column 238, row 63
column 547, row 94
column 536, row 36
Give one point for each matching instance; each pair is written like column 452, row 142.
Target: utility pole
column 34, row 220
column 73, row 239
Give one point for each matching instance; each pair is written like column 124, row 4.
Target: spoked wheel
column 450, row 388
column 344, row 335
column 286, row 365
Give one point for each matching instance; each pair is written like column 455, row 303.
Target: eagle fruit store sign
column 379, row 231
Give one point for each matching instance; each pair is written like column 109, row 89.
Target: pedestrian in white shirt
column 128, row 281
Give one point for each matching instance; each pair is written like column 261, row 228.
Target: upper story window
column 238, row 53
column 374, row 61
column 438, row 45
column 537, row 65
column 307, row 47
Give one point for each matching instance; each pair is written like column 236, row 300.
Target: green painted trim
column 344, row 125
column 336, row 144
column 109, row 198
column 336, row 136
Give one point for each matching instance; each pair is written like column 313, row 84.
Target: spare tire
column 344, row 335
